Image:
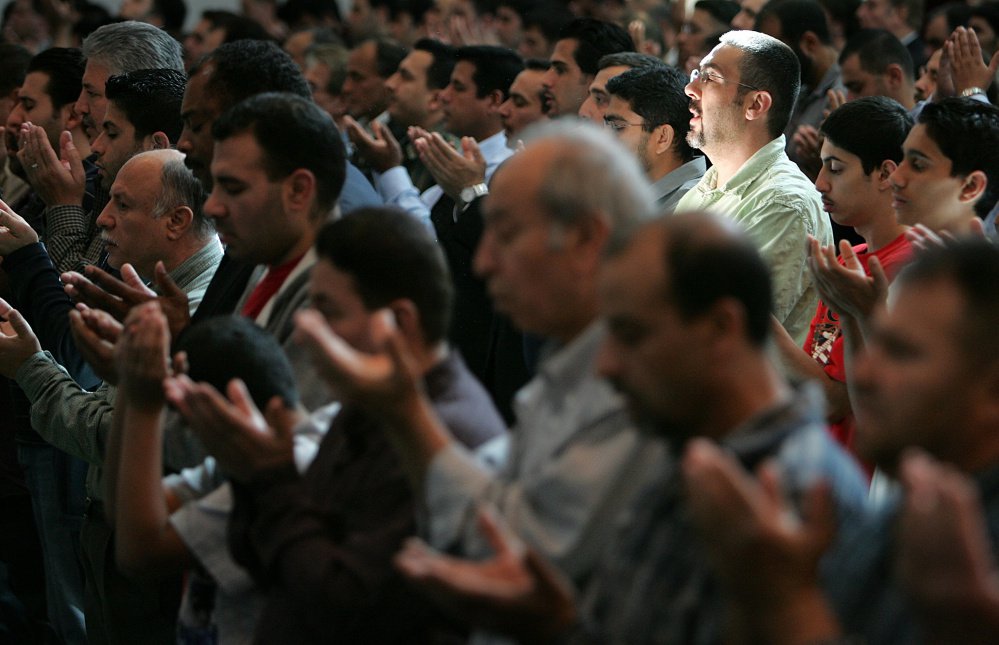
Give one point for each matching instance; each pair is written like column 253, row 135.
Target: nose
column 104, row 220
column 898, row 177
column 15, row 118
column 392, row 82
column 504, row 109
column 213, row 208
column 822, row 181
column 82, row 105
column 548, row 78
column 184, row 142
column 692, row 89
column 445, row 95
column 484, row 262
column 98, row 147
column 608, row 364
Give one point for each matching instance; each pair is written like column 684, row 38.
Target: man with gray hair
column 574, row 457
column 155, row 222
column 111, row 50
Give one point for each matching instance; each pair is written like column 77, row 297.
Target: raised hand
column 58, row 180
column 380, row 149
column 18, row 342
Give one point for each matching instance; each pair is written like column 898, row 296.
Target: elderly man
column 154, row 216
column 742, row 96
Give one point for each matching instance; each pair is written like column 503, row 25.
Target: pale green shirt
column 779, row 208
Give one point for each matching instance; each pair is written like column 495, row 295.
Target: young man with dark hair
column 902, row 19
column 374, row 264
column 581, row 44
column 369, row 64
column 742, row 96
column 650, row 114
column 14, row 61
column 862, row 148
column 528, row 101
column 874, row 63
column 610, row 66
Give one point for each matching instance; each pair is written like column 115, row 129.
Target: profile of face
column 629, row 127
column 203, row 39
column 130, row 228
column 198, row 110
column 34, row 105
column 566, row 82
column 116, row 144
column 597, row 99
column 525, row 104
column 410, row 99
column 923, row 188
column 926, row 84
column 717, row 114
column 333, row 293
column 466, row 113
column 848, row 193
column 915, row 378
column 364, row 91
column 92, row 103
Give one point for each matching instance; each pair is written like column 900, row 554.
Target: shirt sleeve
column 70, row 237
column 397, row 189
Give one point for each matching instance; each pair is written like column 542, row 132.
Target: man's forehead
column 34, row 83
column 565, row 50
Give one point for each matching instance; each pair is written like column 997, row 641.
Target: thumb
column 71, row 156
column 16, row 320
column 993, row 65
column 878, row 274
column 168, row 288
column 280, row 418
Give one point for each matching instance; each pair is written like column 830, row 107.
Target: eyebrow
column 831, row 158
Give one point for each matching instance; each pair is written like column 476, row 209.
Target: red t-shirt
column 825, row 341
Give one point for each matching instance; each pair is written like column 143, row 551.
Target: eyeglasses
column 619, row 125
column 707, row 76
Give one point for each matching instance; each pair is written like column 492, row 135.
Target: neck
column 665, row 164
column 735, row 155
column 882, row 229
column 824, row 59
column 484, row 131
column 431, row 121
column 747, row 388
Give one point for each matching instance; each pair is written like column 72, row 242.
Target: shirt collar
column 762, row 160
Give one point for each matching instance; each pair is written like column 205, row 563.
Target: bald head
column 154, row 213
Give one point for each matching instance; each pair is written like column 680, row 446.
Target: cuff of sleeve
column 35, row 373
column 393, row 182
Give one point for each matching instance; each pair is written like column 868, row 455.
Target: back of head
column 871, row 127
column 549, row 17
column 967, row 133
column 181, row 188
column 770, row 65
column 150, row 100
column 293, row 132
column 843, row 13
column 796, row 17
column 590, row 173
column 721, row 10
column 64, row 67
column 391, row 256
column 236, row 27
column 222, row 348
column 631, row 60
column 876, row 50
column 707, row 258
column 173, row 13
column 495, row 67
column 439, row 72
column 657, row 95
column 13, row 67
column 248, row 67
column 595, row 39
column 128, row 46
column 971, row 265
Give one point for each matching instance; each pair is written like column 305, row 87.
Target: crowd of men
column 509, row 321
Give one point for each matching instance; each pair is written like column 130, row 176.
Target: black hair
column 222, row 348
column 871, row 127
column 796, row 17
column 150, row 100
column 439, row 72
column 657, row 95
column 495, row 67
column 722, row 11
column 248, row 67
column 391, row 255
column 634, row 60
column 388, row 55
column 236, row 27
column 64, row 67
column 293, row 132
column 967, row 133
column 877, row 49
column 549, row 17
column 594, row 40
column 14, row 61
column 173, row 13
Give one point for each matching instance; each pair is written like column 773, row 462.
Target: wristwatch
column 971, row 91
column 469, row 194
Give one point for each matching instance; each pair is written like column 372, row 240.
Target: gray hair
column 592, row 173
column 181, row 188
column 129, row 46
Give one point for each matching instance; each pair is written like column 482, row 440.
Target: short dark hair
column 769, row 65
column 549, row 17
column 14, row 61
column 236, row 27
column 657, row 95
column 722, row 11
column 439, row 72
column 248, row 67
column 150, row 100
column 391, row 255
column 634, row 60
column 537, row 64
column 972, row 265
column 594, row 40
column 967, row 133
column 388, row 55
column 796, row 17
column 871, row 127
column 173, row 13
column 706, row 261
column 222, row 348
column 495, row 67
column 64, row 67
column 877, row 49
column 293, row 133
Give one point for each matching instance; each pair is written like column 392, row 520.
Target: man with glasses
column 649, row 112
column 742, row 96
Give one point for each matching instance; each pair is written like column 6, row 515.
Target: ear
column 759, row 105
column 178, row 222
column 883, row 173
column 974, row 186
column 725, row 325
column 407, row 319
column 664, row 137
column 435, row 102
column 160, row 141
column 809, row 43
column 299, row 190
column 584, row 240
column 496, row 99
column 71, row 120
column 894, row 74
